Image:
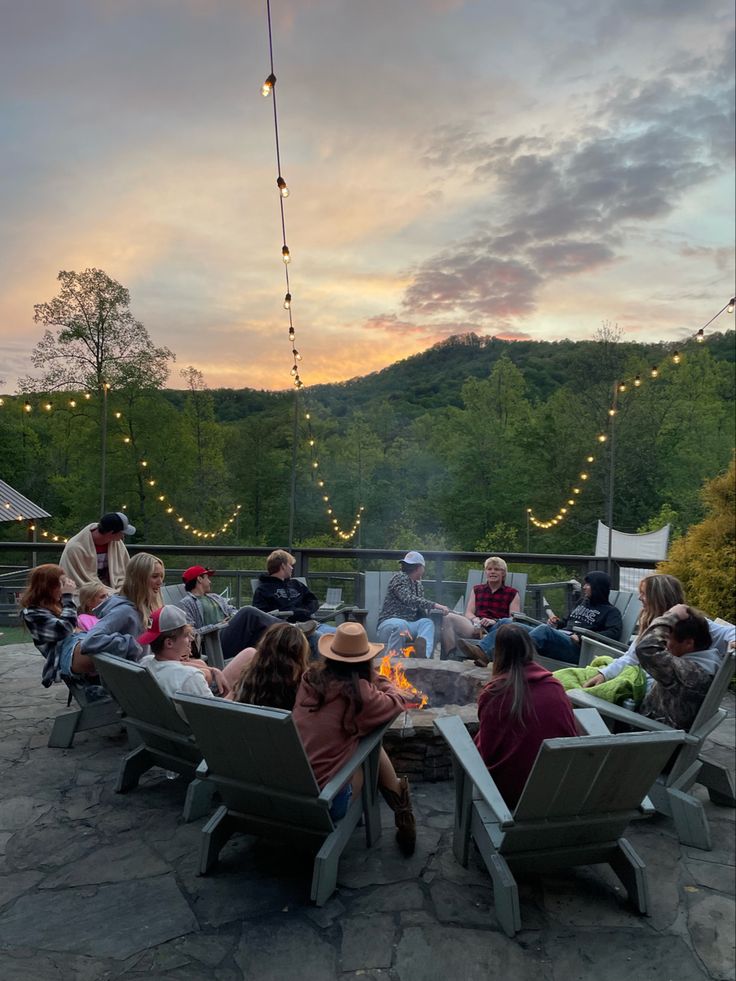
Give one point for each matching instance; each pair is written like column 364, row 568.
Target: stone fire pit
column 414, row 746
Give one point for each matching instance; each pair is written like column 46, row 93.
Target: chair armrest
column 589, row 722
column 202, row 771
column 212, row 628
column 365, row 747
column 465, row 752
column 523, row 618
column 581, row 698
column 592, row 635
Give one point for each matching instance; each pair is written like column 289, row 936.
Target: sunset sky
column 516, row 169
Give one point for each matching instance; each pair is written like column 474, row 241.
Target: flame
column 395, row 674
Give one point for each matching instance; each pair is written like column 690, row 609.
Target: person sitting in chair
column 677, row 651
column 404, row 614
column 278, row 590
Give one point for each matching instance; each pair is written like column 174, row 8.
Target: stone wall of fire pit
column 412, row 742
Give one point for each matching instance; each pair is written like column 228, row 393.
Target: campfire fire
column 395, row 674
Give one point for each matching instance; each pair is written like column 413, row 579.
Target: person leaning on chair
column 278, row 590
column 405, row 609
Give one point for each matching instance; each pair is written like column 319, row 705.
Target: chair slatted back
column 257, row 762
column 173, row 593
column 334, row 596
column 147, row 708
column 580, row 777
column 376, row 584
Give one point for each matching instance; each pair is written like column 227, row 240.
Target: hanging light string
column 268, row 89
column 342, row 533
column 46, row 405
column 621, row 387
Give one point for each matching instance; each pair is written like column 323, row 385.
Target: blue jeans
column 555, row 643
column 389, row 632
column 314, row 637
column 489, row 641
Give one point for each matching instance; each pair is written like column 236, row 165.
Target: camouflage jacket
column 681, row 683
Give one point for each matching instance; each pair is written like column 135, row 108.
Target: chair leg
column 215, row 835
column 64, row 728
column 633, row 874
column 132, row 768
column 690, row 819
column 371, row 808
column 717, row 778
column 505, row 895
column 463, row 814
column 198, row 801
column 324, row 874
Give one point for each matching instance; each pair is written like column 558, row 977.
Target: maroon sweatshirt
column 508, row 747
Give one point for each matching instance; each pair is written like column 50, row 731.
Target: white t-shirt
column 175, row 676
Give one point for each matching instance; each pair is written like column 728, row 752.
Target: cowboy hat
column 349, row 644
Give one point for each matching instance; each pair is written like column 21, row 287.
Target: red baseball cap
column 196, row 570
column 163, row 620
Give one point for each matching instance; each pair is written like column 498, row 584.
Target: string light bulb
column 731, row 305
column 622, row 386
column 676, row 357
column 296, row 354
column 285, row 254
column 28, row 407
column 637, row 381
column 283, row 189
column 287, row 301
column 602, row 438
column 700, row 336
column 268, row 85
column 655, row 371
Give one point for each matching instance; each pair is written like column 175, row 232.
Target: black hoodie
column 595, row 612
column 273, row 593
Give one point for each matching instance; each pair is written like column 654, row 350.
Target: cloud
column 562, row 205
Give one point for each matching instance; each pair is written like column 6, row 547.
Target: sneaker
column 96, row 693
column 307, row 627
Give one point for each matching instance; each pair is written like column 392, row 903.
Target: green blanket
column 631, row 683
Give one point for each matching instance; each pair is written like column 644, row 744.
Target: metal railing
column 323, row 567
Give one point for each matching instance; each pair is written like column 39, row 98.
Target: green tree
column 704, row 559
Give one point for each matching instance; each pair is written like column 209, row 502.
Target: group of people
column 338, row 697
column 335, row 700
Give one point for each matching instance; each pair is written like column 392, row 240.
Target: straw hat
column 349, row 644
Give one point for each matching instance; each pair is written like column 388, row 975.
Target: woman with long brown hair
column 341, row 699
column 274, row 671
column 49, row 612
column 518, row 709
column 125, row 616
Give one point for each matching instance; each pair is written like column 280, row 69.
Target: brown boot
column 400, row 804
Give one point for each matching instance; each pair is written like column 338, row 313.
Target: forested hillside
column 444, row 449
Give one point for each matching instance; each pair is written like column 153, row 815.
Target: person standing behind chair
column 518, row 709
column 98, row 552
column 405, row 611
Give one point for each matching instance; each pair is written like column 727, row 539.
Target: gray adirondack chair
column 256, row 761
column 211, row 646
column 577, row 801
column 164, row 737
column 670, row 792
column 87, row 715
column 629, row 606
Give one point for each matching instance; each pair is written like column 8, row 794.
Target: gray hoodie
column 120, row 624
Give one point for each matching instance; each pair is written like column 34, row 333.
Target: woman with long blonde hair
column 125, row 616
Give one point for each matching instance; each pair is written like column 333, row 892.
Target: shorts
column 341, row 803
column 64, row 651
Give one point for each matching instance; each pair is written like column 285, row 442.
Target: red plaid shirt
column 493, row 605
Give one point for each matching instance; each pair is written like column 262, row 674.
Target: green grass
column 14, row 635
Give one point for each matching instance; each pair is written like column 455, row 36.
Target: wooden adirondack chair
column 256, row 761
column 630, row 607
column 670, row 792
column 87, row 715
column 165, row 738
column 577, row 801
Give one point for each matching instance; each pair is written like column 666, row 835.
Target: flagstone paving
column 97, row 885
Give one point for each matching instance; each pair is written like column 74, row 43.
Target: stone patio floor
column 97, row 885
